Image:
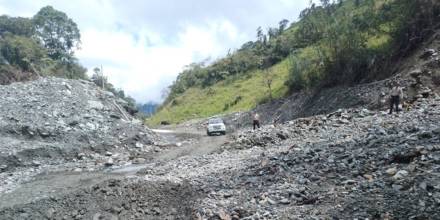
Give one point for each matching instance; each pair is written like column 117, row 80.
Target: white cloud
column 130, row 63
column 144, row 44
column 138, row 64
column 212, row 39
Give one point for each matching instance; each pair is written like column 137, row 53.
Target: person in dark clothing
column 396, row 94
column 256, row 120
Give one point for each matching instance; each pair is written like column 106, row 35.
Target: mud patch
column 34, row 157
column 114, row 199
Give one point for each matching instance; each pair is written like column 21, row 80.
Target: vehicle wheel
column 209, row 134
column 223, row 132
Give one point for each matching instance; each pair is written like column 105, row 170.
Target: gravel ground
column 69, row 151
column 352, row 163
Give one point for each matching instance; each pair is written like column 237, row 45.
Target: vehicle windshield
column 215, row 121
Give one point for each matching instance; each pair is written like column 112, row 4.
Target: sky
column 143, row 45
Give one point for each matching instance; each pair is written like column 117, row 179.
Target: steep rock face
column 51, row 118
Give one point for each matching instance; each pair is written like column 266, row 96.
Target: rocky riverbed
column 351, row 163
column 69, row 150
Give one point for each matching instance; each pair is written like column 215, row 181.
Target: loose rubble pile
column 114, row 199
column 352, row 163
column 349, row 164
column 51, row 122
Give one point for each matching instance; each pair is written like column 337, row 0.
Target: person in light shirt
column 396, row 94
column 256, row 120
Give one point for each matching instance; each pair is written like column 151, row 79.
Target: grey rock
column 284, row 201
column 109, row 162
column 36, row 163
column 391, row 171
column 436, row 131
column 416, row 73
column 81, row 156
column 425, row 135
column 272, row 202
column 50, row 212
column 349, row 182
column 95, row 105
column 157, row 211
column 423, row 185
column 117, row 210
column 96, row 216
column 3, row 167
column 139, row 161
column 397, row 187
column 401, row 174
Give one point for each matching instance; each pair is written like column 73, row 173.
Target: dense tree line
column 43, row 44
column 266, row 51
column 345, row 39
column 333, row 43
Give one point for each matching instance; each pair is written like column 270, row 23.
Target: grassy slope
column 199, row 103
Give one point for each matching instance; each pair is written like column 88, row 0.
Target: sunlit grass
column 241, row 93
column 200, row 103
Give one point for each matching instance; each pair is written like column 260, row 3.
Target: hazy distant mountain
column 148, row 108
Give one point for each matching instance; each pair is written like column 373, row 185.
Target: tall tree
column 58, row 33
column 98, row 78
column 17, row 26
column 260, row 34
column 272, row 32
column 282, row 25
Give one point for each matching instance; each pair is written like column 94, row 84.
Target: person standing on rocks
column 396, row 94
column 256, row 120
column 276, row 120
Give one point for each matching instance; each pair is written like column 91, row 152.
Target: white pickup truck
column 215, row 126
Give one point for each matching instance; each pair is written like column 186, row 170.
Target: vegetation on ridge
column 336, row 43
column 41, row 45
column 44, row 45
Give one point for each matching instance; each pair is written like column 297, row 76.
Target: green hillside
column 223, row 97
column 42, row 45
column 336, row 43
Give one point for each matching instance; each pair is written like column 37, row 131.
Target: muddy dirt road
column 51, row 184
column 348, row 164
column 189, row 142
